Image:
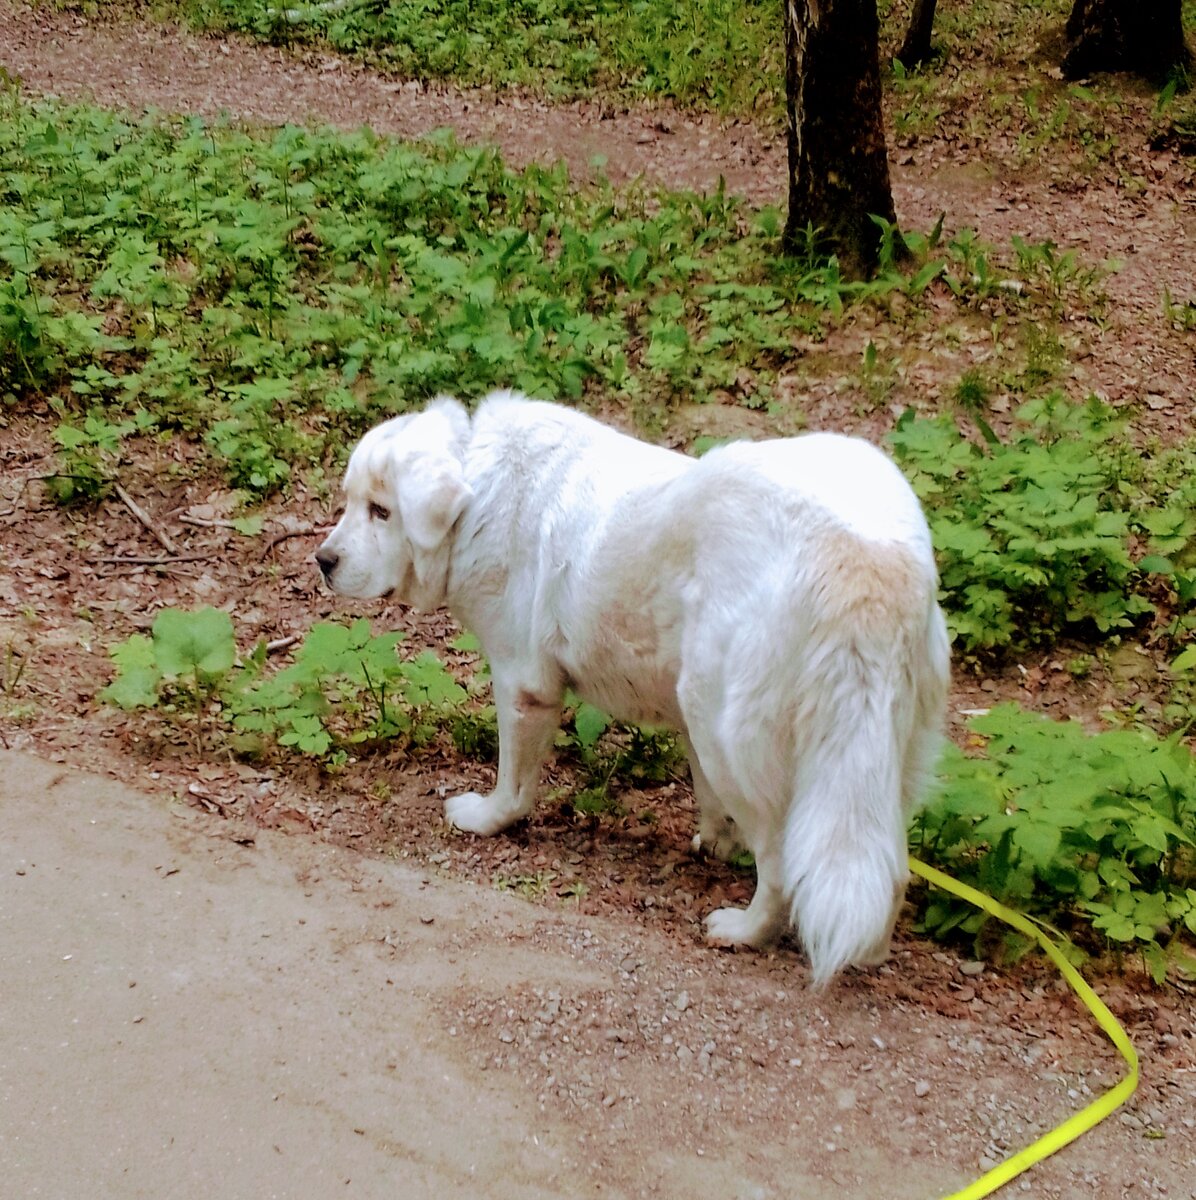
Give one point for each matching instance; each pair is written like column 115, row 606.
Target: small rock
column 845, row 1099
column 681, row 1001
column 921, row 1088
column 971, row 968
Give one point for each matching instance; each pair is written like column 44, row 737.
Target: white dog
column 772, row 601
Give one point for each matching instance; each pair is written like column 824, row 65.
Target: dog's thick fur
column 773, row 601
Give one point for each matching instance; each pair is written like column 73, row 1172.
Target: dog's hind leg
column 528, row 719
column 765, row 919
column 717, row 832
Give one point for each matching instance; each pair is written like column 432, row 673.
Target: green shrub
column 1033, row 533
column 1095, row 833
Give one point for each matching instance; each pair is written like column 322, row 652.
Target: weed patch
column 1095, row 834
column 1032, row 533
column 718, row 54
column 346, row 688
column 269, row 296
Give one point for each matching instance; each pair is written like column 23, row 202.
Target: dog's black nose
column 327, row 560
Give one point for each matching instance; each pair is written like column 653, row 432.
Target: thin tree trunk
column 838, row 162
column 915, row 50
column 1144, row 37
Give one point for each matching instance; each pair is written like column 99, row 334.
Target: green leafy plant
column 12, row 668
column 345, row 687
column 1180, row 314
column 1032, row 533
column 90, row 454
column 268, row 296
column 1093, row 833
column 189, row 654
column 614, row 753
column 713, row 53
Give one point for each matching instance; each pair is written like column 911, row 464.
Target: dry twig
column 306, row 531
column 205, row 523
column 150, row 560
column 146, row 520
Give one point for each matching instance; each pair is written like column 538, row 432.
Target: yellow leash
column 1102, row 1106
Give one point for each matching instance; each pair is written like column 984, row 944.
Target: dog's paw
column 874, row 956
column 735, row 927
column 719, row 838
column 475, row 813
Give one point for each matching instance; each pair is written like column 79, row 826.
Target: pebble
column 921, row 1088
column 681, row 1001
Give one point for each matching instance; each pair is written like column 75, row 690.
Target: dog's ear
column 432, row 493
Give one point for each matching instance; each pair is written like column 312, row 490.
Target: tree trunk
column 915, row 50
column 1144, row 37
column 838, row 162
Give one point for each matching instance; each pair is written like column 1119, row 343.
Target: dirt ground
column 257, row 977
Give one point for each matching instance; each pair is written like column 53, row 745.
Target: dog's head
column 404, row 490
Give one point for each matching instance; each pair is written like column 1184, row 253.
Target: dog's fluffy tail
column 873, row 688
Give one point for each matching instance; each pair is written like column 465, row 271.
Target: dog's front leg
column 528, row 719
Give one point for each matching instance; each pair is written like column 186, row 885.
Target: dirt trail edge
column 184, row 1014
column 139, row 65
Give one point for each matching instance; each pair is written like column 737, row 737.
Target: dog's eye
column 378, row 512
